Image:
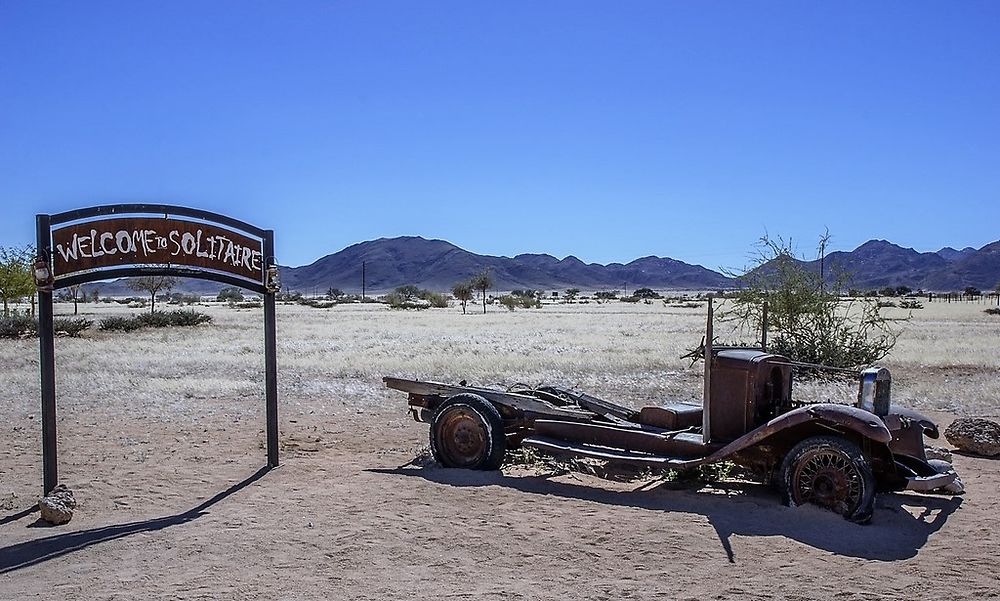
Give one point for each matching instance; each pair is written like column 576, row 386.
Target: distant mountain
column 980, row 268
column 879, row 263
column 437, row 265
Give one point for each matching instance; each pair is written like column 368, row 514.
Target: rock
column 975, row 435
column 57, row 507
column 937, row 453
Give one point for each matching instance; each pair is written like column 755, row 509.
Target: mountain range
column 879, row 263
column 437, row 265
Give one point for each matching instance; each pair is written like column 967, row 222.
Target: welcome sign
column 135, row 240
column 155, row 241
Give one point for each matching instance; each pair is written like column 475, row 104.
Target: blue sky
column 608, row 130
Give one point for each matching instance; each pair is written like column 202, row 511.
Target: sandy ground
column 173, row 506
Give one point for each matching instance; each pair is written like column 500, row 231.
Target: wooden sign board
column 155, row 241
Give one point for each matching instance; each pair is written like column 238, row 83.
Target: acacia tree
column 482, row 283
column 806, row 320
column 463, row 292
column 152, row 285
column 16, row 279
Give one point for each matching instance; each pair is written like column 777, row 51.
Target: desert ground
column 161, row 439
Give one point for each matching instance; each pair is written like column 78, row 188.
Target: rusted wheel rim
column 463, row 436
column 829, row 479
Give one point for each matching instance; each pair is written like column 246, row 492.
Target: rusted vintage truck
column 832, row 455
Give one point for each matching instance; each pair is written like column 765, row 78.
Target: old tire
column 830, row 472
column 467, row 432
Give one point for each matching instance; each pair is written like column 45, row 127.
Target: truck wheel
column 467, row 432
column 831, row 472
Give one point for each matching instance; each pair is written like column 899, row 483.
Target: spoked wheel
column 830, row 472
column 467, row 432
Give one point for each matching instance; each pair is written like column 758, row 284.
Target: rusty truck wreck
column 832, row 455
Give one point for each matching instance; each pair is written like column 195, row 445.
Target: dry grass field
column 161, row 438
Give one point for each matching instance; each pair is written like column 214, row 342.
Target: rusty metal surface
column 559, row 447
column 678, row 445
column 125, row 241
column 748, row 387
column 518, row 401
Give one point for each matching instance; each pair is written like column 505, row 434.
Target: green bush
column 645, row 293
column 118, row 323
column 23, row 326
column 317, row 304
column 156, row 319
column 411, row 297
column 397, row 300
column 509, row 301
column 911, row 304
column 230, row 294
column 71, row 326
column 159, row 319
column 436, row 299
column 18, row 326
column 183, row 318
column 992, row 311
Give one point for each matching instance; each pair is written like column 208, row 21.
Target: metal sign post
column 100, row 243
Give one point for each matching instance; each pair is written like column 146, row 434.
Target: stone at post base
column 975, row 435
column 57, row 507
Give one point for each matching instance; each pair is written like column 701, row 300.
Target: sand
column 173, row 505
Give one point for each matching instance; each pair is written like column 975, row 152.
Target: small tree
column 16, row 278
column 645, row 293
column 152, row 284
column 334, row 293
column 95, row 295
column 571, row 294
column 74, row 294
column 482, row 283
column 463, row 292
column 806, row 321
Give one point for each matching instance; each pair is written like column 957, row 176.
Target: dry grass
column 333, row 360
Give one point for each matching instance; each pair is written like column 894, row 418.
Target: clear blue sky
column 606, row 130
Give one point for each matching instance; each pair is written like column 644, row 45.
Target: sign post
column 100, row 243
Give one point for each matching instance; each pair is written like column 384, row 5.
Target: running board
column 560, row 447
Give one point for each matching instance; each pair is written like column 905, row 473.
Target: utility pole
column 363, row 281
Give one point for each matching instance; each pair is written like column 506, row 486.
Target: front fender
column 835, row 417
column 852, row 418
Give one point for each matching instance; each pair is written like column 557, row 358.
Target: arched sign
column 113, row 241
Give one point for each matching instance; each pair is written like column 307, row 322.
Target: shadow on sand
column 743, row 509
column 37, row 551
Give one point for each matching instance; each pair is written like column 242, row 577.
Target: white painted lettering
column 105, row 237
